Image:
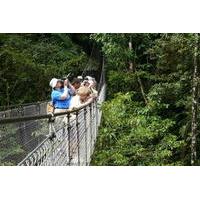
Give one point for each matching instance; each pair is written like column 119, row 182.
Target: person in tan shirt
column 83, row 97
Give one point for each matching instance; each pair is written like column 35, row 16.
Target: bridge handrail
column 45, row 116
column 84, row 128
column 40, row 138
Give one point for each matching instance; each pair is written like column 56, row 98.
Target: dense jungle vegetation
column 151, row 113
column 29, row 61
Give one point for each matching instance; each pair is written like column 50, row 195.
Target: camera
column 62, row 80
column 65, row 77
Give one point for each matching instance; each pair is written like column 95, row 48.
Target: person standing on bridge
column 76, row 84
column 92, row 87
column 82, row 98
column 60, row 96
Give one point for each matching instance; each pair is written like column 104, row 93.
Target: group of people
column 66, row 95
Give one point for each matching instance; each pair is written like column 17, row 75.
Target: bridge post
column 86, row 136
column 78, row 137
column 94, row 120
column 91, row 129
column 52, row 135
column 97, row 117
column 69, row 138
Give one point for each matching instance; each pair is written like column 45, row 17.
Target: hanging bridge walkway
column 29, row 136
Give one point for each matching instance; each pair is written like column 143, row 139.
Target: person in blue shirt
column 61, row 97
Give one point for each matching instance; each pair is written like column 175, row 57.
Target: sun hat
column 84, row 91
column 80, row 77
column 53, row 82
column 89, row 78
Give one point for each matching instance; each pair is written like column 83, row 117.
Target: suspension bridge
column 29, row 136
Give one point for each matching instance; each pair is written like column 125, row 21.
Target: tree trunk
column 131, row 68
column 142, row 89
column 130, row 48
column 194, row 104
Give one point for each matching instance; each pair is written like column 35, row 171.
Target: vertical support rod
column 91, row 130
column 97, row 118
column 69, row 138
column 94, row 122
column 97, row 115
column 78, row 138
column 86, row 131
column 52, row 135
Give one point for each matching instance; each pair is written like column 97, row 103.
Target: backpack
column 50, row 107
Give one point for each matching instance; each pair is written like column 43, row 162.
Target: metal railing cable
column 7, row 107
column 44, row 139
column 37, row 108
column 71, row 144
column 21, row 110
column 87, row 68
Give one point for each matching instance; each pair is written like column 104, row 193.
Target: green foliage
column 130, row 135
column 147, row 116
column 9, row 145
column 29, row 61
column 156, row 133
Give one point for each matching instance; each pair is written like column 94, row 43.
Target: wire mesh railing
column 42, row 139
column 23, row 110
column 17, row 139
